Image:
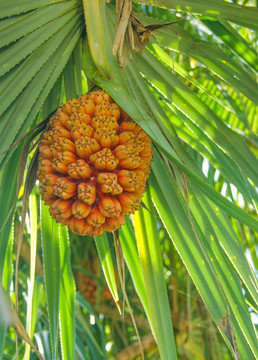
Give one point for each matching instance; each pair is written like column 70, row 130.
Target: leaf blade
column 104, row 252
column 51, row 262
column 67, row 299
column 152, row 268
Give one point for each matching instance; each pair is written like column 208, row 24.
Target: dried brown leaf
column 132, row 30
column 132, row 350
column 122, row 27
column 226, row 327
column 22, row 332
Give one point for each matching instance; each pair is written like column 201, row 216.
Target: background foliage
column 192, row 257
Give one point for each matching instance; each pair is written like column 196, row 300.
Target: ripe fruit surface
column 94, row 164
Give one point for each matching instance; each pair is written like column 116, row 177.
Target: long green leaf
column 94, row 12
column 212, row 258
column 96, row 351
column 176, row 92
column 18, row 79
column 28, row 44
column 214, row 153
column 153, row 275
column 32, row 98
column 233, row 40
column 130, row 251
column 7, row 197
column 174, row 216
column 181, row 232
column 225, row 164
column 51, row 261
column 213, row 58
column 101, row 36
column 31, row 315
column 228, row 276
column 104, row 252
column 228, row 241
column 98, row 325
column 203, row 85
column 72, row 79
column 6, row 283
column 11, row 7
column 67, row 299
column 16, row 27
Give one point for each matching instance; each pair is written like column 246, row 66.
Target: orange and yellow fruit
column 94, row 163
column 88, row 284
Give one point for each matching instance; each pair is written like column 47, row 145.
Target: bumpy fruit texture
column 94, row 164
column 87, row 284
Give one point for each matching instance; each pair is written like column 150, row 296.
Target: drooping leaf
column 104, row 252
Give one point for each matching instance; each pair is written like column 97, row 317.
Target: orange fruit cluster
column 93, row 166
column 87, row 285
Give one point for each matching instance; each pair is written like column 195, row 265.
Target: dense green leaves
column 31, row 65
column 233, row 40
column 202, row 255
column 211, row 56
column 242, row 15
